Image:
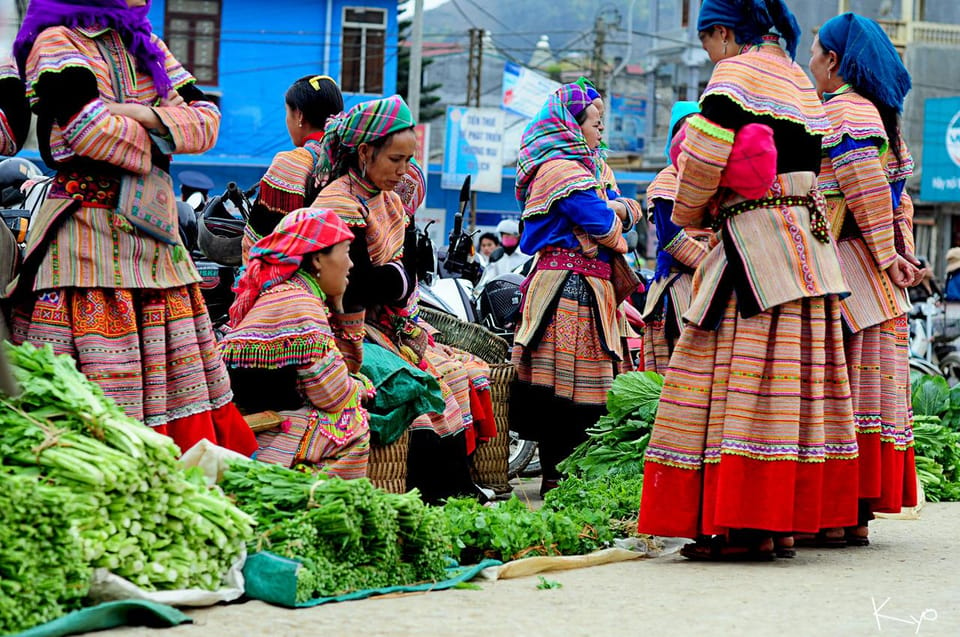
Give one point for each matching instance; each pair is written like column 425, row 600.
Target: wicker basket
column 469, row 337
column 491, row 459
column 387, row 469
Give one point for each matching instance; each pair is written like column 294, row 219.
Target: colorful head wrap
column 364, row 123
column 751, row 20
column 130, row 22
column 412, row 188
column 276, row 257
column 868, row 60
column 678, row 112
column 554, row 134
column 587, row 85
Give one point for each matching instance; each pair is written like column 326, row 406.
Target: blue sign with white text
column 941, row 150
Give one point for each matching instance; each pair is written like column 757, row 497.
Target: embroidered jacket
column 14, row 111
column 768, row 255
column 864, row 183
column 78, row 233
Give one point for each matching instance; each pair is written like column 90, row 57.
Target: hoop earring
column 829, row 74
column 363, row 170
column 724, row 47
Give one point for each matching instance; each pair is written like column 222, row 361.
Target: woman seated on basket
column 368, row 154
column 282, row 353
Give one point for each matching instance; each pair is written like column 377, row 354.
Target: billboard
column 525, row 91
column 473, row 146
column 940, row 177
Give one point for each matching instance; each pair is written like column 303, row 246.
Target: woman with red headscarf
column 106, row 278
column 282, row 352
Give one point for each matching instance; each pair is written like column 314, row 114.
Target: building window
column 364, row 44
column 192, row 29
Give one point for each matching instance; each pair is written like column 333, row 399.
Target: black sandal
column 719, row 549
column 821, row 540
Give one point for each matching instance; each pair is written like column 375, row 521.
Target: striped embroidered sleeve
column 8, row 144
column 349, row 330
column 193, row 126
column 53, row 68
column 867, row 193
column 703, row 155
column 686, row 249
column 14, row 110
column 903, row 217
column 590, row 214
column 327, row 382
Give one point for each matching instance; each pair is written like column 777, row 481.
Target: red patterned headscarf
column 277, row 256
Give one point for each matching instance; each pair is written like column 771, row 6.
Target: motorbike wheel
column 921, row 367
column 950, row 368
column 521, row 452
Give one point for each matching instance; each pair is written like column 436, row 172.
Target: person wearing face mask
column 754, row 438
column 863, row 83
column 567, row 344
column 106, row 278
column 508, row 256
column 283, row 337
column 293, row 179
column 368, row 153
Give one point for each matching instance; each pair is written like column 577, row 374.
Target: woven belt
column 814, row 201
column 560, row 259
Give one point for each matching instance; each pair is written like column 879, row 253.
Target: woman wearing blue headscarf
column 755, row 418
column 865, row 167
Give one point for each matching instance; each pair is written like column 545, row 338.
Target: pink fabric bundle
column 752, row 165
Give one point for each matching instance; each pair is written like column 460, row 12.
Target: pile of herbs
column 134, row 510
column 578, row 517
column 936, row 434
column 347, row 534
column 615, row 445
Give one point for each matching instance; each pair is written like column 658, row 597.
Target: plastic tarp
column 272, row 578
column 110, row 615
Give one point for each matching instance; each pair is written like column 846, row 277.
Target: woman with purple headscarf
column 567, row 347
column 106, row 278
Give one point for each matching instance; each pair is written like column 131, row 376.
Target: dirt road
column 906, row 583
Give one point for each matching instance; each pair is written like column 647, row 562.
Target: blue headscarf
column 751, row 20
column 868, row 60
column 678, row 112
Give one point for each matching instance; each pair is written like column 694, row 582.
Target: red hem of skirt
column 223, row 426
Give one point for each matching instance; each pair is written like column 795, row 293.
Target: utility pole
column 416, row 60
column 599, row 42
column 474, row 79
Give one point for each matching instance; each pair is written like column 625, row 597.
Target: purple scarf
column 130, row 22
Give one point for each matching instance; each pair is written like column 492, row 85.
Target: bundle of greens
column 43, row 573
column 348, row 534
column 936, row 433
column 615, row 445
column 149, row 520
column 578, row 517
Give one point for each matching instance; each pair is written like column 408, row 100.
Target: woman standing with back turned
column 865, row 169
column 754, row 433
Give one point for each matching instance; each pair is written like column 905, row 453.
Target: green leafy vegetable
column 546, row 584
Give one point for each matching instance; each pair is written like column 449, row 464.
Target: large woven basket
column 469, row 337
column 491, row 459
column 387, row 469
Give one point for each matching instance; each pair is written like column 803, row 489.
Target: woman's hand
column 620, row 209
column 173, row 98
column 922, row 270
column 902, row 272
column 143, row 115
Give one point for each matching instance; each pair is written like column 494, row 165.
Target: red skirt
column 754, row 428
column 151, row 351
column 878, row 360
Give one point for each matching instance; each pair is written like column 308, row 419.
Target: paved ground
column 905, row 583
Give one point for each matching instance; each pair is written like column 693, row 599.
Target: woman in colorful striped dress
column 282, row 351
column 567, row 346
column 293, row 179
column 865, row 168
column 368, row 152
column 14, row 109
column 106, row 278
column 754, row 433
column 679, row 252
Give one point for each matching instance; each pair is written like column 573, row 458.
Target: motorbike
column 934, row 340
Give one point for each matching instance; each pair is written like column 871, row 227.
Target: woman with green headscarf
column 368, row 152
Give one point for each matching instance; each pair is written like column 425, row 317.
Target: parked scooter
column 934, row 340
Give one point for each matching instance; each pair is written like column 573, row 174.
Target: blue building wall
column 265, row 47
